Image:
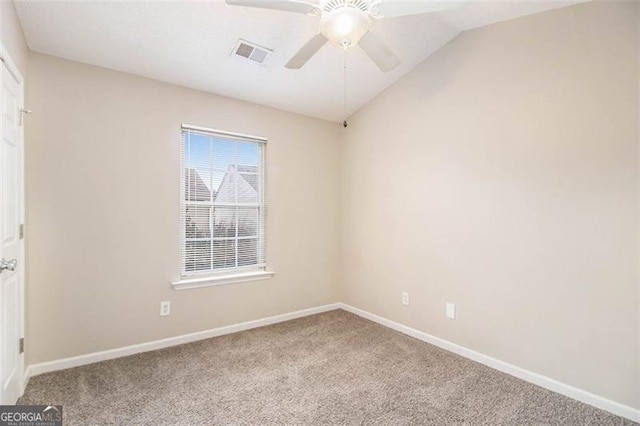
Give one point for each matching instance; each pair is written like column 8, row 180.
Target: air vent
column 251, row 51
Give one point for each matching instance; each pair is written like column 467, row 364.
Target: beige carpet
column 333, row 368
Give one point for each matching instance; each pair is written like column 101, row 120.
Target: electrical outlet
column 451, row 311
column 165, row 308
column 405, row 298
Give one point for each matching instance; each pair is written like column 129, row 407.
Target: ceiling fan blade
column 379, row 52
column 393, row 8
column 286, row 5
column 307, row 51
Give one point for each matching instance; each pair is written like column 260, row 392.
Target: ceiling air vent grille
column 251, row 51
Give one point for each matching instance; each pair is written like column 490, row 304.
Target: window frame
column 235, row 274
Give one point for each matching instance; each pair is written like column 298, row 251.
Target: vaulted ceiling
column 191, row 44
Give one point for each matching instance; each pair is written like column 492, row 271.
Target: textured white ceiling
column 189, row 43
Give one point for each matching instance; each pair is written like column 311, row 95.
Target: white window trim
column 187, row 283
column 232, row 135
column 237, row 275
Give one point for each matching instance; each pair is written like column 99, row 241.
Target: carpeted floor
column 332, row 368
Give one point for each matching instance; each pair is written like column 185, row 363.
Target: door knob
column 9, row 265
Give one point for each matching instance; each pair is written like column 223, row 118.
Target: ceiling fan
column 347, row 23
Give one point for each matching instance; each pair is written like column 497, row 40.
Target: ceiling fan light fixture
column 344, row 27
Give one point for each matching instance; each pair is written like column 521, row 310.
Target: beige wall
column 502, row 175
column 102, row 159
column 11, row 36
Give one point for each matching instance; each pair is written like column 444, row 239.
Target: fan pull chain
column 344, row 99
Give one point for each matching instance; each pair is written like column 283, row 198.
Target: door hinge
column 21, row 230
column 22, row 345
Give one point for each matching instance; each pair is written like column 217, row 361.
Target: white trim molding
column 526, row 375
column 11, row 66
column 76, row 361
column 188, row 283
column 231, row 135
column 26, row 375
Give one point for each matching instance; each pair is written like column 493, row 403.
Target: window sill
column 188, row 283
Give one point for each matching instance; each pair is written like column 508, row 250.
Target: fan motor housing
column 362, row 5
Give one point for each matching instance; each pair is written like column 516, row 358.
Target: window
column 222, row 203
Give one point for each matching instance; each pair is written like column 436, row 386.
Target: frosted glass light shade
column 345, row 27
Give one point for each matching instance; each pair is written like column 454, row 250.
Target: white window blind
column 222, row 211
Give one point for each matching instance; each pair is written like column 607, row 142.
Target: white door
column 11, row 243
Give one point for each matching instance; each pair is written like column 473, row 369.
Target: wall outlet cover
column 451, row 311
column 405, row 298
column 165, row 308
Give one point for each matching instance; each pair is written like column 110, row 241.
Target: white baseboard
column 526, row 375
column 529, row 376
column 76, row 361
